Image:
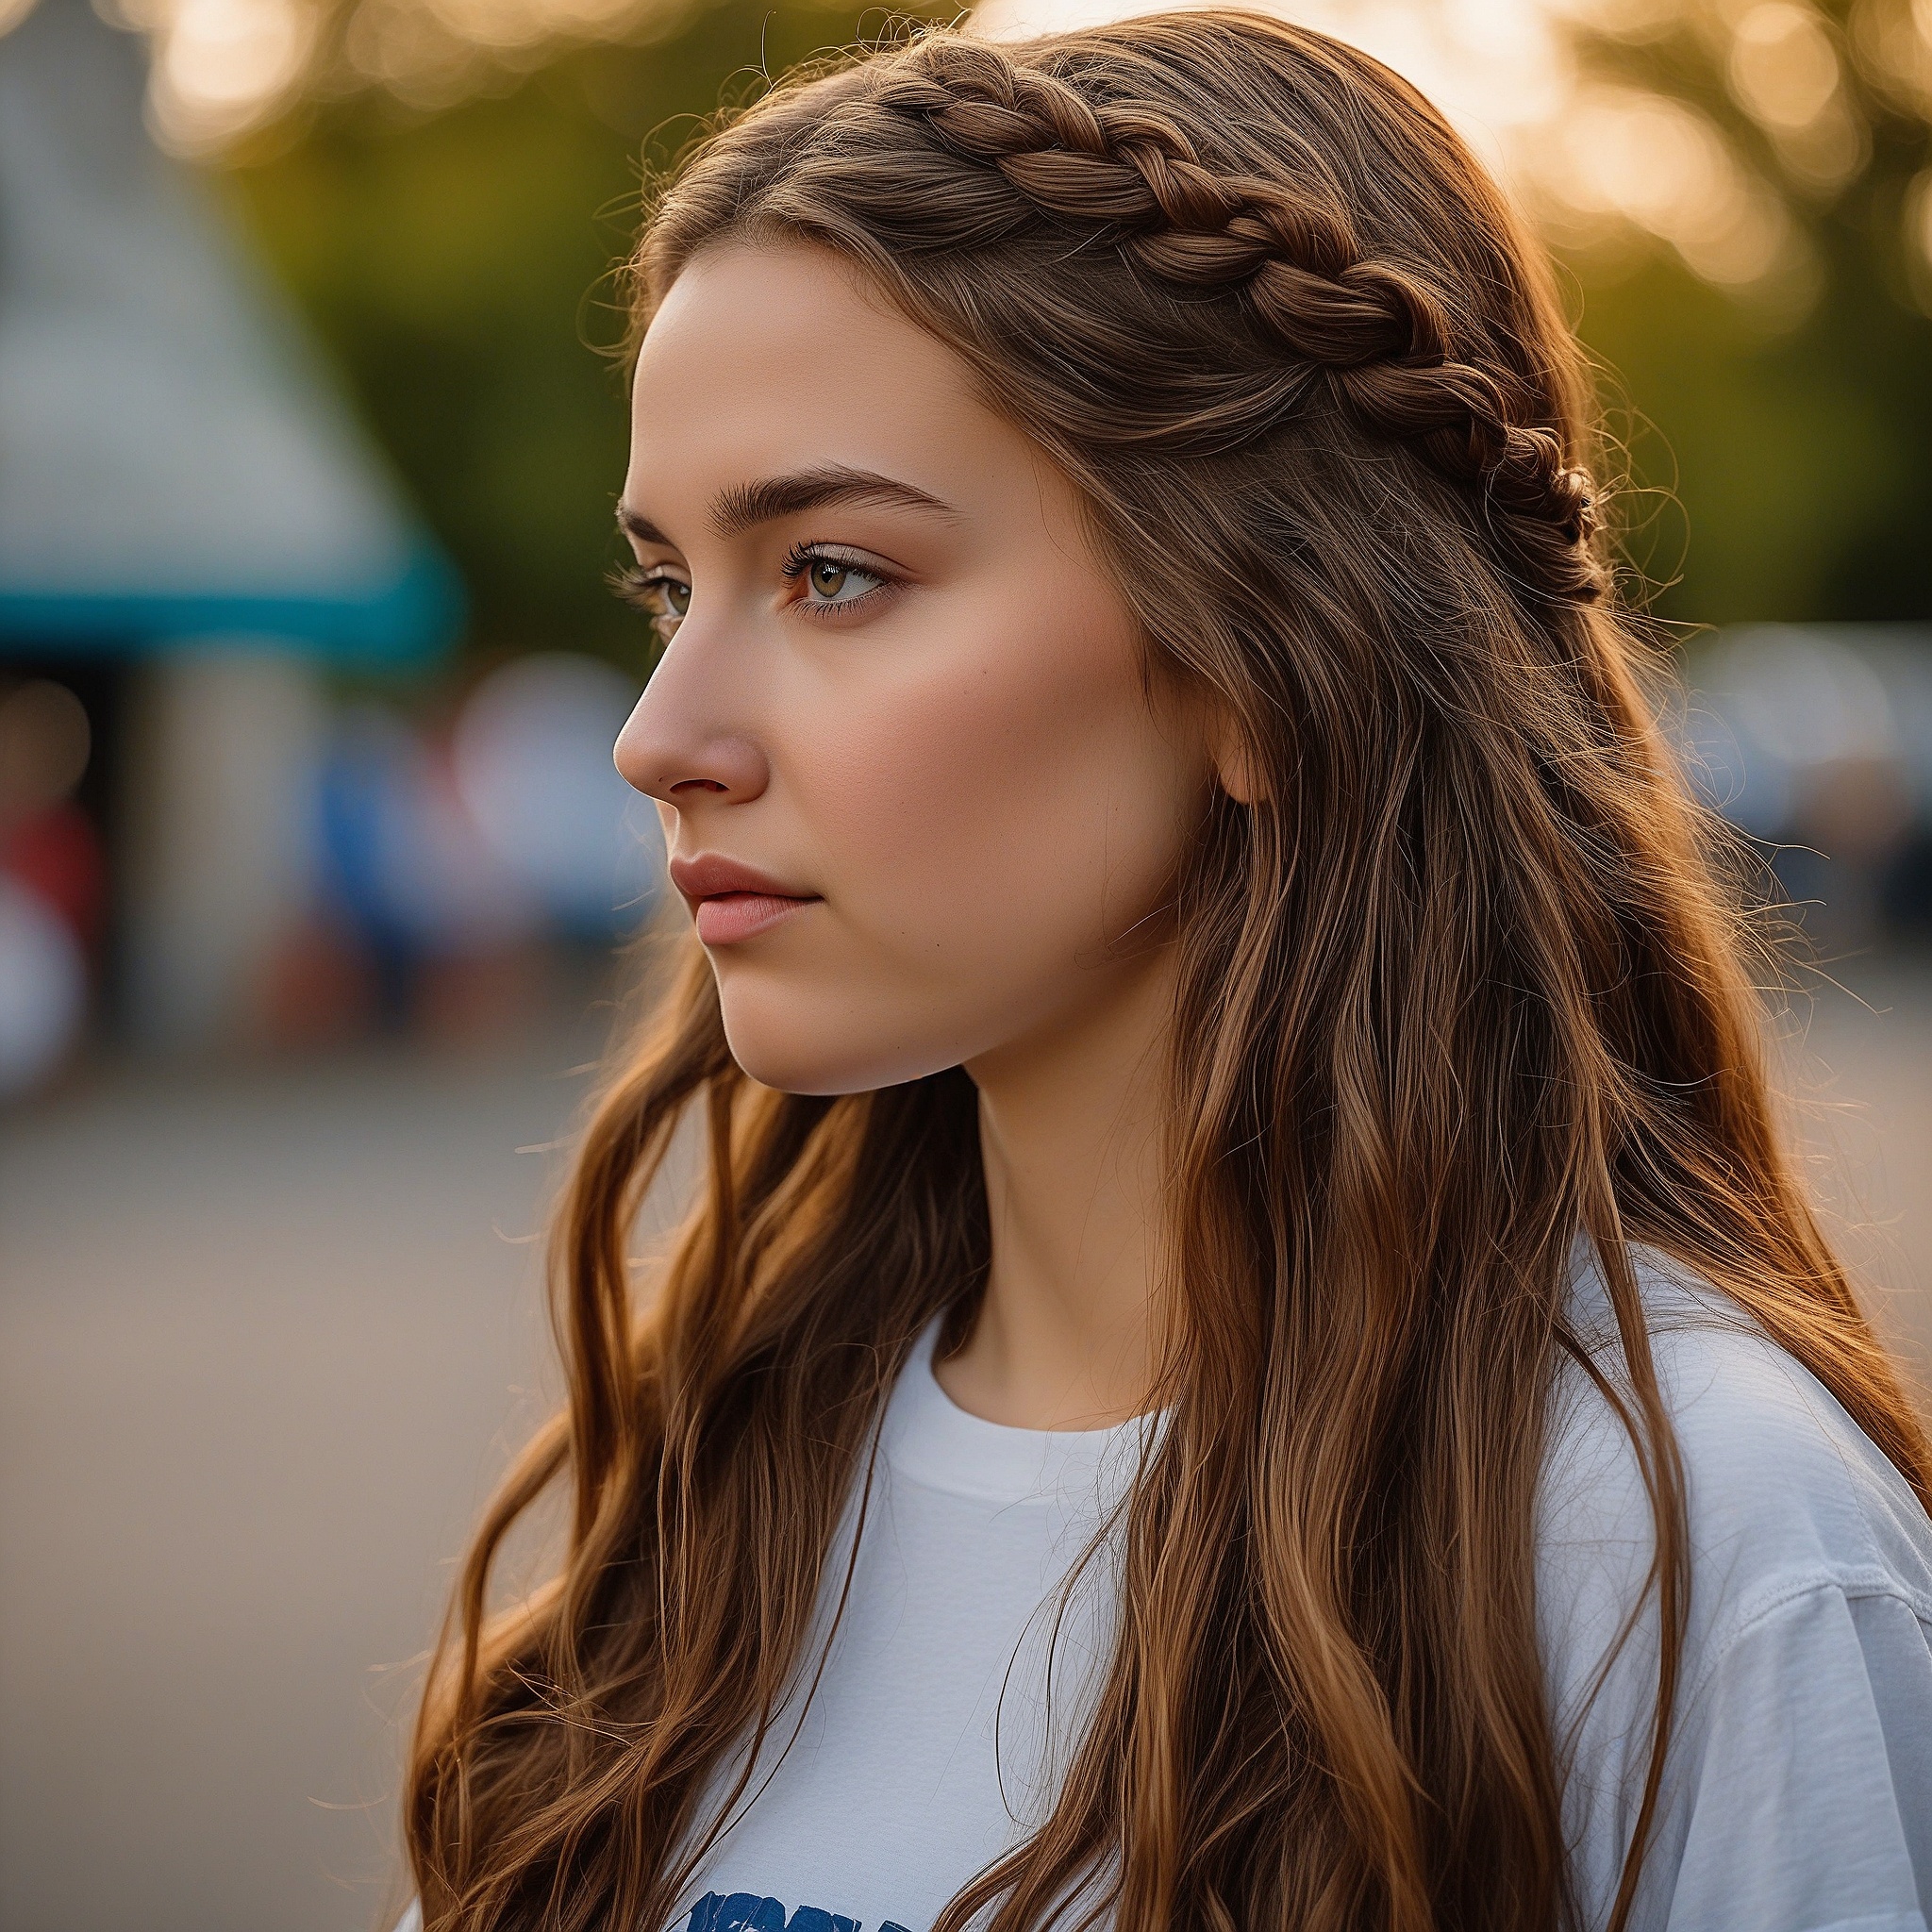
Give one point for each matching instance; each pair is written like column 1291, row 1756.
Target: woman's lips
column 731, row 901
column 726, row 918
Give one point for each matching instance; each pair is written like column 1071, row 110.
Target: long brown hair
column 1463, row 990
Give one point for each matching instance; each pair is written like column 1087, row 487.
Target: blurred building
column 194, row 534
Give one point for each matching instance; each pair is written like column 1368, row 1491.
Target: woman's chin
column 808, row 1057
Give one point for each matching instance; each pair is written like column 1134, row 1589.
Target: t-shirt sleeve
column 1801, row 1794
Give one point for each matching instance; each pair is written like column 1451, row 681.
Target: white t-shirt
column 1797, row 1794
column 1798, row 1790
column 936, row 1738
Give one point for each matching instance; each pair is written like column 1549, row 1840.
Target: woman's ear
column 1236, row 768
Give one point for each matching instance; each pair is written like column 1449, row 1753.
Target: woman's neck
column 1070, row 1129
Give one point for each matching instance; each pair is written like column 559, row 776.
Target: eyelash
column 632, row 584
column 801, row 557
column 636, row 584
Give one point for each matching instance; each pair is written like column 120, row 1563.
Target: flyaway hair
column 1461, row 996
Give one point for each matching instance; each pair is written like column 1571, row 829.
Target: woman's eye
column 658, row 596
column 670, row 595
column 830, row 581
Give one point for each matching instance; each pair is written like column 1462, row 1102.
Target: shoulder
column 1783, row 1493
column 1806, row 1661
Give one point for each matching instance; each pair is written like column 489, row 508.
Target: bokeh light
column 1600, row 158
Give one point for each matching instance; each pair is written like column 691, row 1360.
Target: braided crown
column 1372, row 328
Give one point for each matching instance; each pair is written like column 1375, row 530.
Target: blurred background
column 314, row 874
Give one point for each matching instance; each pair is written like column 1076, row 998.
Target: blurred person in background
column 1250, row 1354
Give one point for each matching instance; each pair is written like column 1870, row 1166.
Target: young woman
column 1250, row 1358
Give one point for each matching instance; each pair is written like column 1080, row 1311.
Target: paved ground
column 1860, row 1062
column 264, row 1341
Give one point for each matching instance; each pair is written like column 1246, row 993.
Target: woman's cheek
column 973, row 814
column 916, row 821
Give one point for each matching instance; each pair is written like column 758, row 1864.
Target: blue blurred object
column 401, row 861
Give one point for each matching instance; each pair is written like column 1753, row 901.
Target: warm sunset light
column 1600, row 158
column 1071, row 860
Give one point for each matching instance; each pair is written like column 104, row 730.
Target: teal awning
column 174, row 461
column 407, row 621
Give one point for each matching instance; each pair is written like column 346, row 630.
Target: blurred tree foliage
column 1800, row 443
column 1782, row 476
column 457, row 262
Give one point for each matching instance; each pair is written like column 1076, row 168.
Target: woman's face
column 913, row 785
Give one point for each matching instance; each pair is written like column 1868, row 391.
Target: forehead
column 768, row 357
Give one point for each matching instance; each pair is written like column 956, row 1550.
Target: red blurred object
column 317, row 988
column 57, row 854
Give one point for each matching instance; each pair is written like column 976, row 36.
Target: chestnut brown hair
column 1462, row 992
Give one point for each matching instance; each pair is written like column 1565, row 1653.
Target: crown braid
column 1372, row 328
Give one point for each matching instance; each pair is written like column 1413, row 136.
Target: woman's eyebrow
column 745, row 506
column 642, row 528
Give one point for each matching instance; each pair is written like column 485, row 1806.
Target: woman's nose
column 678, row 760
